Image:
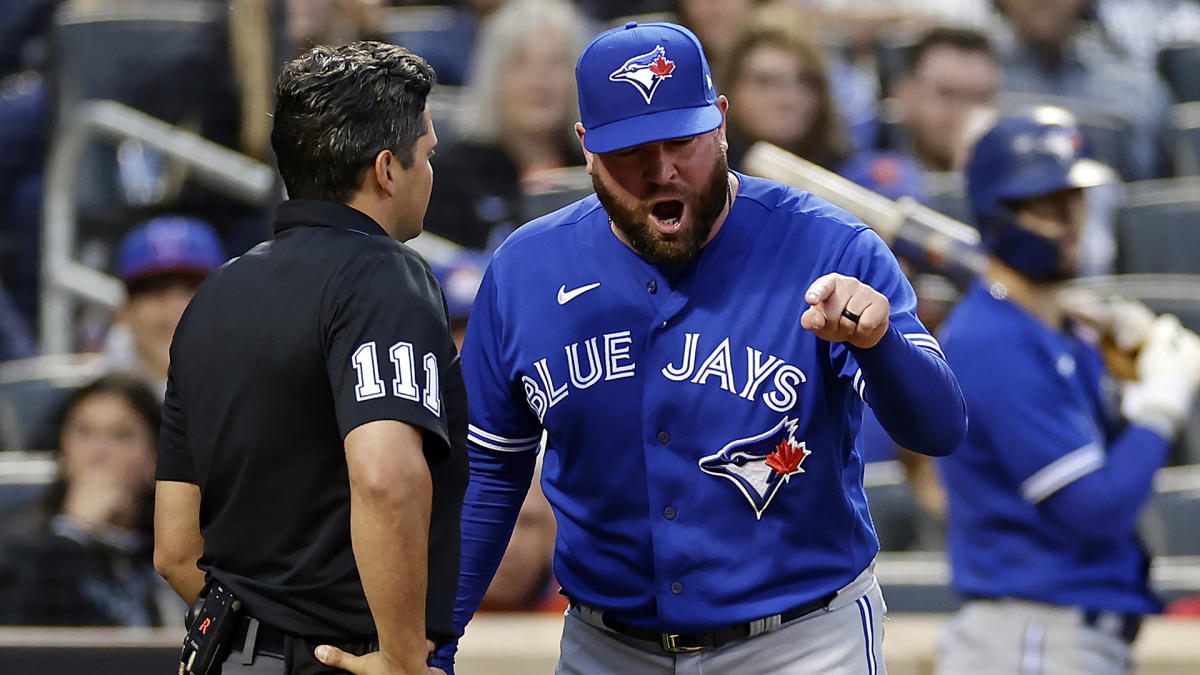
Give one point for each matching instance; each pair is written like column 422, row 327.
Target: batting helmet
column 1022, row 156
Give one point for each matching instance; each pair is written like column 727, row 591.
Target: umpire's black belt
column 710, row 639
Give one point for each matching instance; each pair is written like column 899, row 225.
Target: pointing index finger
column 821, row 289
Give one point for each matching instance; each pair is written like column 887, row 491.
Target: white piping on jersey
column 860, row 385
column 927, row 341
column 499, row 443
column 1062, row 472
column 1032, row 644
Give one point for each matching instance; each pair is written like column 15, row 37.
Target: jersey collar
column 318, row 213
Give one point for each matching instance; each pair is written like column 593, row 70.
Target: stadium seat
column 1185, row 150
column 1158, row 228
column 1179, row 66
column 167, row 59
column 30, row 391
column 562, row 187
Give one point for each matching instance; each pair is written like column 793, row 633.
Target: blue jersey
column 1043, row 415
column 701, row 455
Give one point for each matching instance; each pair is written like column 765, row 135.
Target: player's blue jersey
column 701, row 459
column 1043, row 412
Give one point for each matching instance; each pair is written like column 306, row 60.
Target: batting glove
column 1168, row 369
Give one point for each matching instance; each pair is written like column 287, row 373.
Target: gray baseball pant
column 843, row 638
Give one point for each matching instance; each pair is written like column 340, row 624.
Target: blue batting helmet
column 1022, row 156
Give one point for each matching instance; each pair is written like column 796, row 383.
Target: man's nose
column 660, row 167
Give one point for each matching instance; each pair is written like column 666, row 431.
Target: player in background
column 1045, row 492
column 698, row 344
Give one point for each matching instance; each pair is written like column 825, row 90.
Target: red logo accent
column 662, row 67
column 786, row 458
column 204, row 626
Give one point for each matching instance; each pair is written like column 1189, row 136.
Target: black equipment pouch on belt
column 209, row 624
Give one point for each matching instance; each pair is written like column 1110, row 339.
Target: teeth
column 670, row 221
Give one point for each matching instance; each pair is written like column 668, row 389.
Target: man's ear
column 587, row 156
column 385, row 172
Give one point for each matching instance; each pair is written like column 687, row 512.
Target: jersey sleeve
column 1042, row 433
column 387, row 339
column 501, row 420
column 174, row 457
column 869, row 260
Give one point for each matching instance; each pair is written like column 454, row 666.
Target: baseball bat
column 924, row 236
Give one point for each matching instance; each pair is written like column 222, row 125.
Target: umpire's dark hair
column 337, row 108
column 962, row 39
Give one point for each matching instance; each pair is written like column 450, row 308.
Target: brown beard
column 645, row 239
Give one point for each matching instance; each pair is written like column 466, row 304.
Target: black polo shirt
column 280, row 354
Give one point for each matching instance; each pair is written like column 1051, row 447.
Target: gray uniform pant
column 1020, row 637
column 843, row 638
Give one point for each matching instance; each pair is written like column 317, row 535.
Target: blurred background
column 134, row 159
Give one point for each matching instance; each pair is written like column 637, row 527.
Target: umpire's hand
column 844, row 309
column 370, row 664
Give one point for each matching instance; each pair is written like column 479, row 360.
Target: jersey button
column 652, row 286
column 664, row 437
column 676, row 587
column 669, row 513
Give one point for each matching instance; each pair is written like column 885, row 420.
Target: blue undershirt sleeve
column 1109, row 499
column 498, row 485
column 913, row 394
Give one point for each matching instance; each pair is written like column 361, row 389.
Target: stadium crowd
column 888, row 93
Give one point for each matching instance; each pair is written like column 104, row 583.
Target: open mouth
column 667, row 215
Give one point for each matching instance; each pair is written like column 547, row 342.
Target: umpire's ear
column 588, row 157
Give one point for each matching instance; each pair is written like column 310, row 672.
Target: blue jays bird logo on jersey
column 645, row 72
column 760, row 465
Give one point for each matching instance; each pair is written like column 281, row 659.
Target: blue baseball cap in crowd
column 460, row 279
column 644, row 83
column 891, row 175
column 169, row 245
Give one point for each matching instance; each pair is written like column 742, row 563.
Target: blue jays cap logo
column 760, row 465
column 645, row 72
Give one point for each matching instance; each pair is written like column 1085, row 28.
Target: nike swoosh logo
column 565, row 296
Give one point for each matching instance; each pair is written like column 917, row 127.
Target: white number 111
column 370, row 385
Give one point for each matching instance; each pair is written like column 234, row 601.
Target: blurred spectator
column 1140, row 28
column 947, row 73
column 717, row 24
column 330, row 22
column 779, row 92
column 88, row 563
column 1050, row 51
column 460, row 282
column 891, row 175
column 610, row 11
column 525, row 582
column 162, row 263
column 15, row 340
column 25, row 138
column 23, row 25
column 450, row 48
column 517, row 123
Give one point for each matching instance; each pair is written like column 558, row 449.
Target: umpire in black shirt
column 312, row 458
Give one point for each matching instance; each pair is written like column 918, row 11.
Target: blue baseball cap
column 169, row 245
column 460, row 279
column 644, row 83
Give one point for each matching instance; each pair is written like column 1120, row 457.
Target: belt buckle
column 668, row 644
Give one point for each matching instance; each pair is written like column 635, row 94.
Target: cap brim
column 652, row 127
column 197, row 270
